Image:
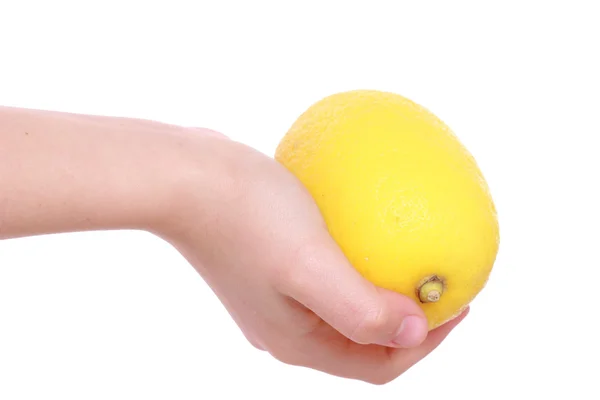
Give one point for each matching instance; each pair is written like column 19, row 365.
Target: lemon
column 400, row 194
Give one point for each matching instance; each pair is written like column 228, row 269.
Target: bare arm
column 63, row 172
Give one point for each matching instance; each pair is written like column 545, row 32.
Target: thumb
column 322, row 279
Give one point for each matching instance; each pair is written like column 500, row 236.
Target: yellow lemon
column 400, row 194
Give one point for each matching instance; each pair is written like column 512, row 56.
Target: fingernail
column 411, row 333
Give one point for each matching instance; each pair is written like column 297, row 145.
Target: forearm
column 65, row 172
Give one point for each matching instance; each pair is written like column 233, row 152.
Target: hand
column 259, row 241
column 245, row 223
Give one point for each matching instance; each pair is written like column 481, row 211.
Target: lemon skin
column 400, row 194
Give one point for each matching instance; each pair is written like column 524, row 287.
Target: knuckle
column 287, row 356
column 256, row 344
column 287, row 352
column 383, row 375
column 380, row 379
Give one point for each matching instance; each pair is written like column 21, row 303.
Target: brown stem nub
column 431, row 290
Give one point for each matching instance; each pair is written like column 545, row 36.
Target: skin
column 242, row 221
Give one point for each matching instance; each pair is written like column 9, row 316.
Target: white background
column 120, row 315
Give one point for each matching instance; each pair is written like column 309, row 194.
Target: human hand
column 256, row 236
column 242, row 220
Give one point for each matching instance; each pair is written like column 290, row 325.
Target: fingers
column 253, row 340
column 403, row 359
column 328, row 351
column 322, row 279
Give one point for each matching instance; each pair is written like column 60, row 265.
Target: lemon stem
column 431, row 290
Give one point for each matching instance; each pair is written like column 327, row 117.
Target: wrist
column 201, row 170
column 209, row 176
